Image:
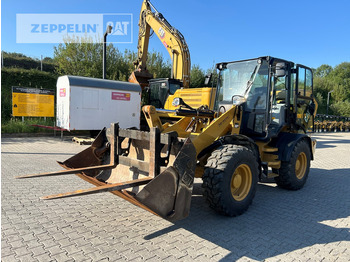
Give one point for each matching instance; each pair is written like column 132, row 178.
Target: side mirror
column 280, row 70
column 207, row 79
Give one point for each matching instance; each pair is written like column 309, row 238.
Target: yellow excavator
column 257, row 130
column 162, row 91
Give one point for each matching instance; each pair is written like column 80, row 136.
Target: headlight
column 176, row 101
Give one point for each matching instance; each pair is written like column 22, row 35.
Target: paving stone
column 80, row 256
column 62, row 257
column 9, row 258
column 26, row 257
column 38, row 251
column 7, row 252
column 44, row 257
column 312, row 224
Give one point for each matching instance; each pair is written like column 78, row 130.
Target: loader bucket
column 158, row 169
column 92, row 156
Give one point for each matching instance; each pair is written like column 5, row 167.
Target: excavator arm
column 172, row 40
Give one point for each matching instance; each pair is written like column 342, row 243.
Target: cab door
column 304, row 102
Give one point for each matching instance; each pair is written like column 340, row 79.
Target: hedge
column 27, row 63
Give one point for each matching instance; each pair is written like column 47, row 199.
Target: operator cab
column 160, row 89
column 271, row 93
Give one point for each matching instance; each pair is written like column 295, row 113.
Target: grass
column 15, row 125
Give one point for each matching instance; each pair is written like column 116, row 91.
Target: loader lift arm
column 172, row 40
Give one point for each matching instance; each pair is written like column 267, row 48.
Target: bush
column 22, row 61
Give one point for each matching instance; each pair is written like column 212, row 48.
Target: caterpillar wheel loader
column 263, row 108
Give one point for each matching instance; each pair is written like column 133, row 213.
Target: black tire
column 219, row 179
column 293, row 174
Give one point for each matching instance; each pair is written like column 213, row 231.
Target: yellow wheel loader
column 257, row 130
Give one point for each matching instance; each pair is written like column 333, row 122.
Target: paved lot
column 312, row 224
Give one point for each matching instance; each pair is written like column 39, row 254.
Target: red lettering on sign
column 120, row 96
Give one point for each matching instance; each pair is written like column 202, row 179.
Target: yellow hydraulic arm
column 227, row 122
column 172, row 40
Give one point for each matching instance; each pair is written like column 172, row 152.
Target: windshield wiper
column 250, row 81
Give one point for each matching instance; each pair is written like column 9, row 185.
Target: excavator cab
column 160, row 89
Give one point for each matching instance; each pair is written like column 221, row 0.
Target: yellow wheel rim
column 241, row 182
column 300, row 165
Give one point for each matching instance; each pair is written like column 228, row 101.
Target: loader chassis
column 257, row 130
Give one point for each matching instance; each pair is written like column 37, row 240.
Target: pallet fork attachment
column 163, row 187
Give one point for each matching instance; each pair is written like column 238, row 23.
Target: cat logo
column 119, row 28
column 161, row 32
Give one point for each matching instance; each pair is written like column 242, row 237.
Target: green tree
column 157, row 65
column 340, row 78
column 323, row 70
column 322, row 85
column 214, row 76
column 337, row 81
column 341, row 108
column 82, row 57
column 197, row 76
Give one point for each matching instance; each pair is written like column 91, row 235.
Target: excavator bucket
column 140, row 77
column 157, row 169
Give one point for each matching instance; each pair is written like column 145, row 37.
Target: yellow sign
column 32, row 102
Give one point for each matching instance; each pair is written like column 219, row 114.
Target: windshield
column 158, row 94
column 236, row 78
column 173, row 87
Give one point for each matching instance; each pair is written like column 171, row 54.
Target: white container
column 85, row 103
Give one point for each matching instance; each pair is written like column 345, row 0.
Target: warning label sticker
column 62, row 92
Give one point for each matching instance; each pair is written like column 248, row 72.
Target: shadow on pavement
column 279, row 221
column 329, row 141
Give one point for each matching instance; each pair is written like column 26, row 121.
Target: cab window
column 304, row 82
column 301, row 81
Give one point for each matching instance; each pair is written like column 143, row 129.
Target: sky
column 306, row 32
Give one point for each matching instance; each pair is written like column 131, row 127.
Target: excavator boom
column 171, row 38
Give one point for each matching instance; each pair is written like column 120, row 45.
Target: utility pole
column 108, row 31
column 41, row 64
column 328, row 100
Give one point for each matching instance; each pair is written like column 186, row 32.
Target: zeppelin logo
column 62, row 92
column 65, row 28
column 120, row 96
